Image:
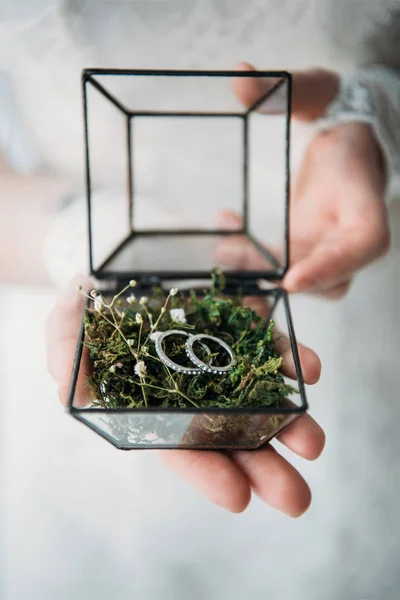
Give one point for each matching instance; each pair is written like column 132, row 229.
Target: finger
column 259, row 304
column 312, row 90
column 229, row 219
column 238, row 252
column 213, row 474
column 274, row 480
column 309, row 360
column 62, row 330
column 329, row 265
column 335, row 292
column 359, row 230
column 305, row 437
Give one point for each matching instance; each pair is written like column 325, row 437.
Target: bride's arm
column 28, row 204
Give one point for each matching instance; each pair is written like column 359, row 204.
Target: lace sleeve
column 371, row 95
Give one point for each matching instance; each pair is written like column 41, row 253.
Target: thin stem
column 149, row 316
column 155, row 325
column 109, row 308
column 143, row 384
column 120, row 294
column 165, row 367
column 120, row 333
column 162, row 311
column 156, row 387
column 170, row 376
column 140, row 333
column 86, row 295
column 114, row 322
column 187, row 398
column 144, row 391
column 174, row 391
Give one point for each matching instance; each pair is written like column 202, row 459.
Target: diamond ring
column 170, row 363
column 205, row 368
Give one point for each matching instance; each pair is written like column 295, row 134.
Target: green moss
column 117, row 341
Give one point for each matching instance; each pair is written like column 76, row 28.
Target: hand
column 227, row 479
column 339, row 222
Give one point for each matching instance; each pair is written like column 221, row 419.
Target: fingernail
column 300, row 285
column 292, row 285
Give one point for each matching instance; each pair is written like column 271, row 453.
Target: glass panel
column 267, row 173
column 287, row 348
column 204, row 430
column 175, row 93
column 180, row 253
column 186, row 170
column 107, row 131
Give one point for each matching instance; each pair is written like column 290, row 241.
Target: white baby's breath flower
column 131, row 299
column 173, row 291
column 130, row 343
column 143, row 300
column 132, row 283
column 140, row 369
column 103, row 390
column 178, row 315
column 112, row 369
column 98, row 303
column 139, row 318
column 155, row 335
column 119, row 365
column 94, row 293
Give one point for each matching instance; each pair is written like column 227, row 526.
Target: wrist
column 370, row 96
column 360, row 140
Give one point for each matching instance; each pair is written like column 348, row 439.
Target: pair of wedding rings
column 199, row 365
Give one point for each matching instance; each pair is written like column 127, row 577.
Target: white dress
column 84, row 521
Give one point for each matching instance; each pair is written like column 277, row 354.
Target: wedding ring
column 167, row 361
column 205, row 368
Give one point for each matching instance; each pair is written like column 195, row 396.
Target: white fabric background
column 81, row 520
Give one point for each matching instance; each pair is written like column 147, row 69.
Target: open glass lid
column 186, row 171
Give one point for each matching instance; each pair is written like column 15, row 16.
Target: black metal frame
column 88, row 78
column 245, row 281
column 275, row 295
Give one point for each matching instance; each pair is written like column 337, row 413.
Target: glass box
column 184, row 150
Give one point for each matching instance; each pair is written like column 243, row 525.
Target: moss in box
column 127, row 373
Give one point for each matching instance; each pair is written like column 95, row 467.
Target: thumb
column 312, row 90
column 62, row 332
